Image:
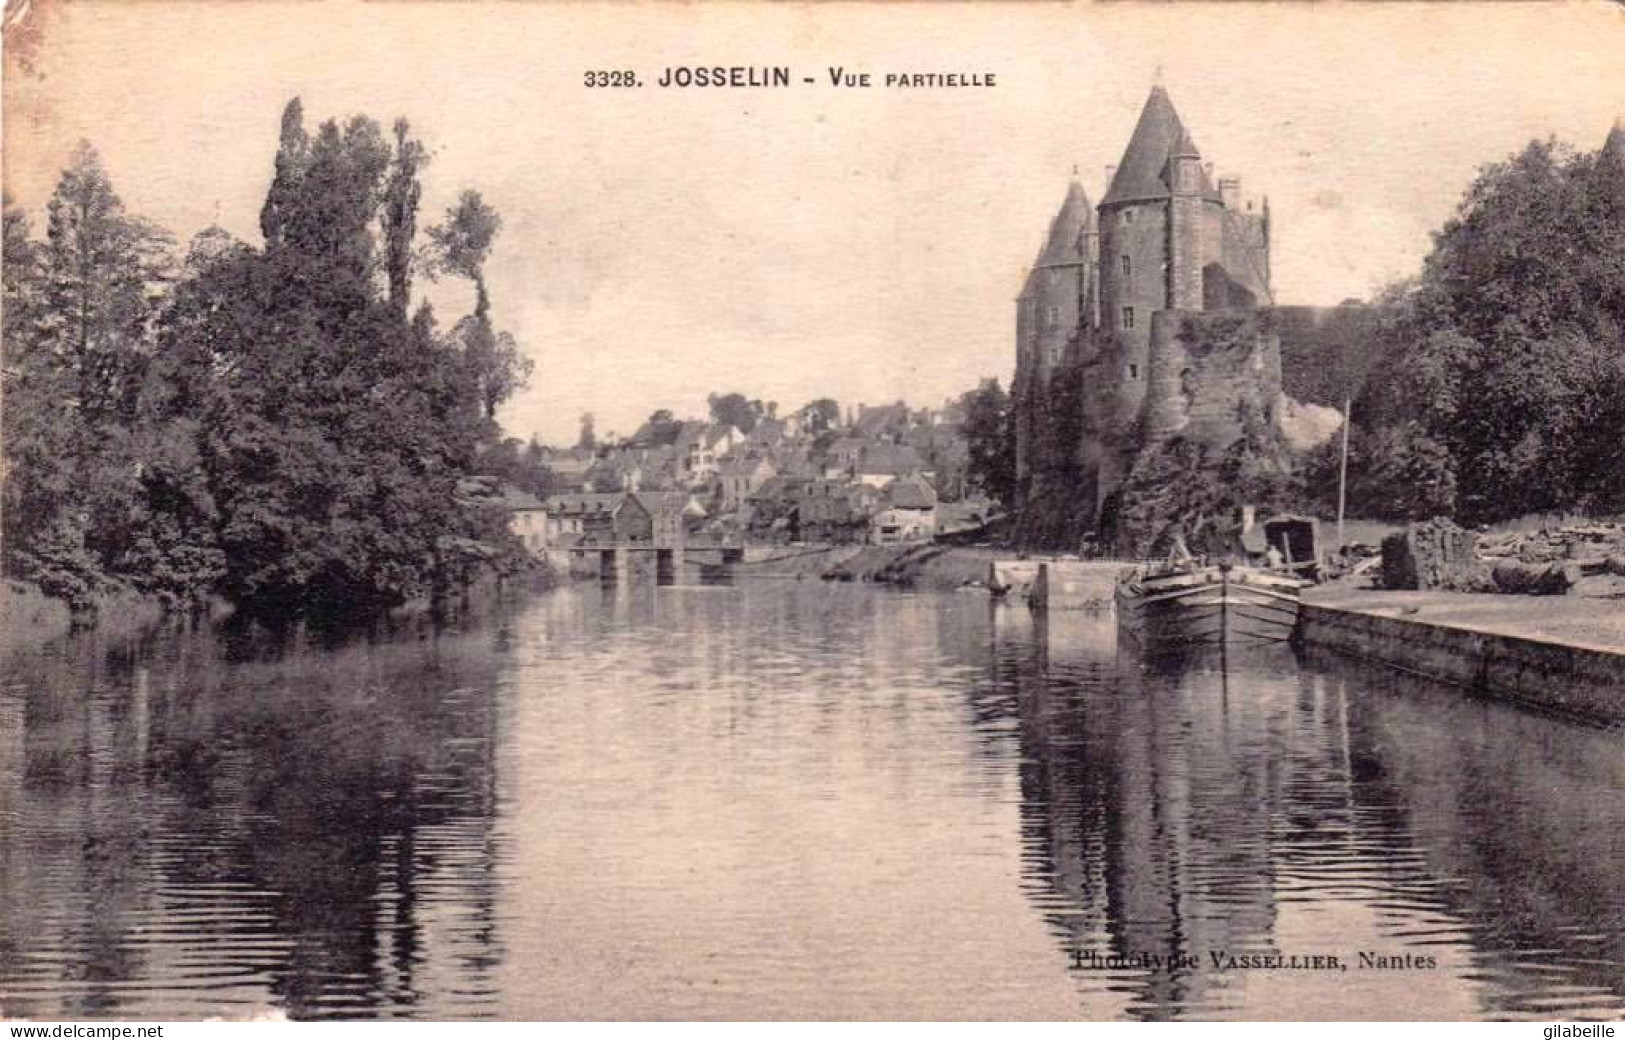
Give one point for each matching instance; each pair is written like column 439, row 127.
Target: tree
column 400, row 211
column 1497, row 399
column 43, row 533
column 103, row 273
column 333, row 431
column 990, row 440
column 734, row 409
column 78, row 340
column 271, row 425
column 461, row 246
column 821, row 415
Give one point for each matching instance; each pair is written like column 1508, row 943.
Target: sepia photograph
column 515, row 511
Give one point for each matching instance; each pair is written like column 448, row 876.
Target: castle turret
column 1057, row 300
column 1186, row 221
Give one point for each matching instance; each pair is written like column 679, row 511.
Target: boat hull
column 1208, row 607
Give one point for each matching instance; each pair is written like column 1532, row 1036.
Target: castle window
column 1054, row 317
column 1133, row 371
column 1128, row 216
column 1128, row 317
column 1128, row 266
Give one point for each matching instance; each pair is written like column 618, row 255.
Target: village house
column 567, row 467
column 887, row 422
column 700, row 447
column 527, row 518
column 737, row 478
column 908, row 513
column 588, row 516
column 841, row 458
column 883, row 463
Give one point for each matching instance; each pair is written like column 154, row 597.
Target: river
column 787, row 800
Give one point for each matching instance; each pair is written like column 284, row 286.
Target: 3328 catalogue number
column 617, row 78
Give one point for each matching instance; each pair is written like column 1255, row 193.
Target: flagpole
column 1343, row 473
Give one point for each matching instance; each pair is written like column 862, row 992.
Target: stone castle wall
column 1138, row 231
column 1209, row 369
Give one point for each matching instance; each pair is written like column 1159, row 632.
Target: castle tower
column 1058, row 295
column 1150, row 244
column 1163, row 241
column 1057, row 300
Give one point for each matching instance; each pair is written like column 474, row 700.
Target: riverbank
column 29, row 617
column 937, row 568
column 1559, row 654
column 793, row 561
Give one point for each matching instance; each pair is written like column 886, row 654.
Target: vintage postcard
column 814, row 511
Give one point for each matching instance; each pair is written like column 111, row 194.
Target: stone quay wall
column 1576, row 682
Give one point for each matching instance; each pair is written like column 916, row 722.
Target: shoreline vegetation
column 282, row 426
column 31, row 618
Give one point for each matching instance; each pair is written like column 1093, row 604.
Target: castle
column 1147, row 316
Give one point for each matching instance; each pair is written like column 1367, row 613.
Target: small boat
column 1195, row 604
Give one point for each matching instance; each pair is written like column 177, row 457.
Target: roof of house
column 892, row 459
column 665, row 503
column 882, row 417
column 1143, row 173
column 767, row 430
column 841, row 444
column 779, row 487
column 689, row 432
column 744, row 465
column 582, row 504
column 911, row 493
column 719, row 431
column 515, row 500
column 571, row 460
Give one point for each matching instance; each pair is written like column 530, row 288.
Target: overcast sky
column 861, row 244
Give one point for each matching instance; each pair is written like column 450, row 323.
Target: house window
column 1133, row 371
column 1128, row 317
column 1128, row 216
column 1128, row 266
column 1054, row 317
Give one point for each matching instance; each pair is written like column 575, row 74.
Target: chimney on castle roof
column 1230, row 192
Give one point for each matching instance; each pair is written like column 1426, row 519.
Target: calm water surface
column 785, row 800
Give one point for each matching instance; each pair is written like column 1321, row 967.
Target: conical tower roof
column 1065, row 244
column 1159, row 136
column 1615, row 142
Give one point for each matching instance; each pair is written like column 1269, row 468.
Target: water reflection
column 1186, row 807
column 787, row 800
column 212, row 822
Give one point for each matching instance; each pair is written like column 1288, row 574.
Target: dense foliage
column 1505, row 393
column 1179, row 488
column 264, row 423
column 990, row 439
